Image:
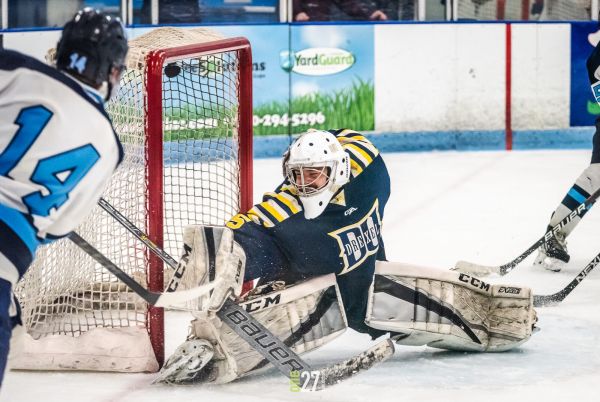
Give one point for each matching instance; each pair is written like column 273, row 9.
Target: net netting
column 515, row 10
column 65, row 292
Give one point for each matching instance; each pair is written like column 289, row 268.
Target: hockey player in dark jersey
column 315, row 245
column 553, row 254
column 333, row 199
column 58, row 147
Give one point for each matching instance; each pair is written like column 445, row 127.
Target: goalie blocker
column 417, row 305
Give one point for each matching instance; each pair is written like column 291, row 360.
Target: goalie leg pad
column 448, row 310
column 305, row 316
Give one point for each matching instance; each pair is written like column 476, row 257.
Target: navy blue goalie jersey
column 345, row 239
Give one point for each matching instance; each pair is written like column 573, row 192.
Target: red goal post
column 183, row 113
column 156, row 60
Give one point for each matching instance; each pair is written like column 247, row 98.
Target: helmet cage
column 306, row 177
column 316, row 166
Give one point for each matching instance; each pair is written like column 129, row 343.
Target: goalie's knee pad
column 210, row 254
column 305, row 316
column 448, row 310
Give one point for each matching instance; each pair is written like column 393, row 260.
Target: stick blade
column 336, row 373
column 176, row 298
column 546, row 301
column 472, row 268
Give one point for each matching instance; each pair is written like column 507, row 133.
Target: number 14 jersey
column 58, row 150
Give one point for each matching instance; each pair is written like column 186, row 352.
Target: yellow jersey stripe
column 358, row 155
column 347, row 131
column 355, row 167
column 366, row 157
column 352, row 139
column 270, row 210
column 349, row 136
column 266, row 222
column 367, row 147
column 283, row 203
column 290, row 201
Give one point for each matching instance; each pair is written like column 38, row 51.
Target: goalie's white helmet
column 317, row 165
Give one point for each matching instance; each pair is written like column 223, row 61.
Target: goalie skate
column 189, row 363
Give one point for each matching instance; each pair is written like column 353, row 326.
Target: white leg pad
column 448, row 309
column 306, row 316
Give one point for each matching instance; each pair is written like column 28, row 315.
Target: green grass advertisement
column 306, row 76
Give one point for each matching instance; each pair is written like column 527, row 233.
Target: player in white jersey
column 58, row 147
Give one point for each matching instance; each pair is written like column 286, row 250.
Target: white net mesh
column 514, row 10
column 65, row 292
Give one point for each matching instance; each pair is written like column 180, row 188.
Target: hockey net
column 183, row 114
column 526, row 10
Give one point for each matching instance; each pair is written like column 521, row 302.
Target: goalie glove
column 210, row 254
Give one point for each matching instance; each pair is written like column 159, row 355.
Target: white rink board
column 453, row 77
column 441, row 77
column 541, row 76
column 449, row 76
column 482, row 206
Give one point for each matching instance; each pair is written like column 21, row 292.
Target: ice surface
column 484, row 207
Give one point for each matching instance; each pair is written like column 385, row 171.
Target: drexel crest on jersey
column 359, row 240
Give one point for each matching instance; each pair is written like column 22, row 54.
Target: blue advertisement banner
column 584, row 109
column 332, row 70
column 270, row 83
column 310, row 76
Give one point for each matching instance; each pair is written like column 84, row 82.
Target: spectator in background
column 558, row 10
column 405, row 10
column 321, row 10
column 173, row 12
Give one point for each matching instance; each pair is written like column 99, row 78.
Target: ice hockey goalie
column 315, row 245
column 414, row 305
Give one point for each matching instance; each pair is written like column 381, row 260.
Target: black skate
column 553, row 254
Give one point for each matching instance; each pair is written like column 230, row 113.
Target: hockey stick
column 548, row 300
column 153, row 298
column 141, row 236
column 259, row 337
column 483, row 270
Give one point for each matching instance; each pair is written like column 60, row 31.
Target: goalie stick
column 259, row 337
column 153, row 298
column 484, row 270
column 548, row 300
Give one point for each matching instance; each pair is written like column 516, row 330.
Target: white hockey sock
column 586, row 184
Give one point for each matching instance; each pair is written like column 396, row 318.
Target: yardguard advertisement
column 306, row 76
